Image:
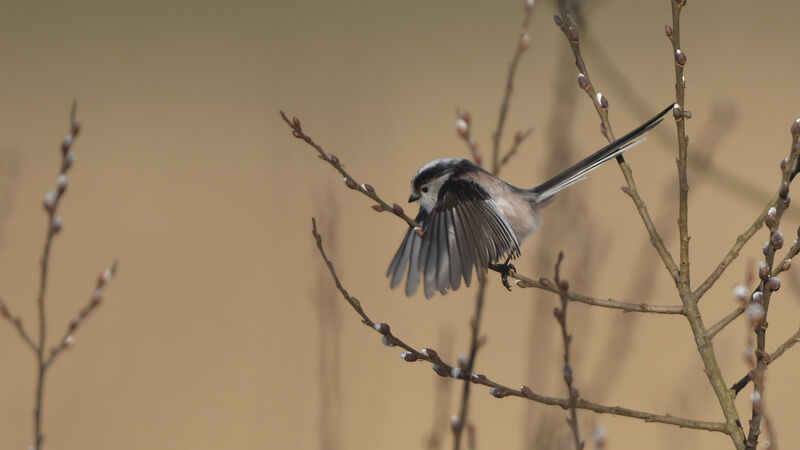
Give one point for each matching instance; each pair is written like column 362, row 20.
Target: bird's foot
column 505, row 271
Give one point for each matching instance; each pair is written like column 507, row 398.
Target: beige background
column 211, row 334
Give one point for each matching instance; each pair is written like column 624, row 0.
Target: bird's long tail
column 578, row 172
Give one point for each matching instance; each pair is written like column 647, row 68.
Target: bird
column 470, row 220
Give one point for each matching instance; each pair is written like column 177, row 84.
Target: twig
column 475, row 342
column 17, row 322
column 769, row 283
column 561, row 317
column 601, row 106
column 464, row 129
column 54, row 223
column 680, row 114
column 522, row 44
column 518, row 138
column 333, row 160
column 444, row 369
column 545, row 284
column 787, row 344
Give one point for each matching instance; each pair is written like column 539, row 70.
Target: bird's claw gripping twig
column 504, row 270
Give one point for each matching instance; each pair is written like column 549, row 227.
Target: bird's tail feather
column 579, row 171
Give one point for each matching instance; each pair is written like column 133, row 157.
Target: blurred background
column 221, row 329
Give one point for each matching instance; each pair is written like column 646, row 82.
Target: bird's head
column 428, row 180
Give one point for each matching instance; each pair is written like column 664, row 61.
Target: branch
column 561, row 317
column 498, row 390
column 601, row 106
column 17, row 322
column 787, row 344
column 545, row 284
column 333, row 160
column 522, row 44
column 94, row 301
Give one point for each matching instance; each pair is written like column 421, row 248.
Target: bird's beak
column 412, row 198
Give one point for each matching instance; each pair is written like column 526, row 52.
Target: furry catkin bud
column 524, row 41
column 429, row 353
column 462, row 127
column 56, row 225
column 69, row 159
column 50, row 201
column 477, row 377
column 66, row 144
column 408, row 356
column 388, row 341
column 459, row 373
column 755, row 312
column 382, row 328
column 784, row 189
column 763, row 270
column 774, row 284
column 680, row 58
column 529, row 5
column 61, row 183
column 758, row 297
column 740, row 292
column 497, row 392
column 771, row 217
column 777, row 240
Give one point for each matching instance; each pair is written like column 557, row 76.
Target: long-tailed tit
column 471, row 219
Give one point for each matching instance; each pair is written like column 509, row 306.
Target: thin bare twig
column 498, row 390
column 787, row 344
column 17, row 322
column 333, row 160
column 518, row 138
column 545, row 284
column 561, row 317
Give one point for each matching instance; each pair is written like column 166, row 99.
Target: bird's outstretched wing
column 466, row 229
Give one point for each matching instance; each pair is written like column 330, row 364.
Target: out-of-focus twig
column 498, row 390
column 561, row 317
column 17, row 322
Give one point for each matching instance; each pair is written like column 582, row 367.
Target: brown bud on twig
column 429, row 353
column 680, row 58
column 69, row 159
column 334, row 159
column 367, row 188
column 573, row 35
column 784, row 189
column 765, row 248
column 378, row 208
column 97, row 298
column 50, row 201
column 388, row 341
column 603, row 101
column 784, row 163
column 763, row 270
column 668, row 31
column 558, row 313
column 526, row 391
column 477, row 377
column 558, row 20
column 497, row 392
column 295, row 122
column 56, row 225
column 545, row 282
column 786, row 202
column 408, row 356
column 777, row 240
column 462, row 127
column 771, row 217
column 758, row 297
column 459, row 373
column 350, row 183
column 66, row 144
column 568, row 373
column 440, row 370
column 524, row 41
column 787, row 263
column 61, row 183
column 397, row 209
column 582, row 83
column 297, row 134
column 774, row 284
column 529, row 5
column 796, row 128
column 75, row 127
column 382, row 328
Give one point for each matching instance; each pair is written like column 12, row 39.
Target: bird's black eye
column 425, row 189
